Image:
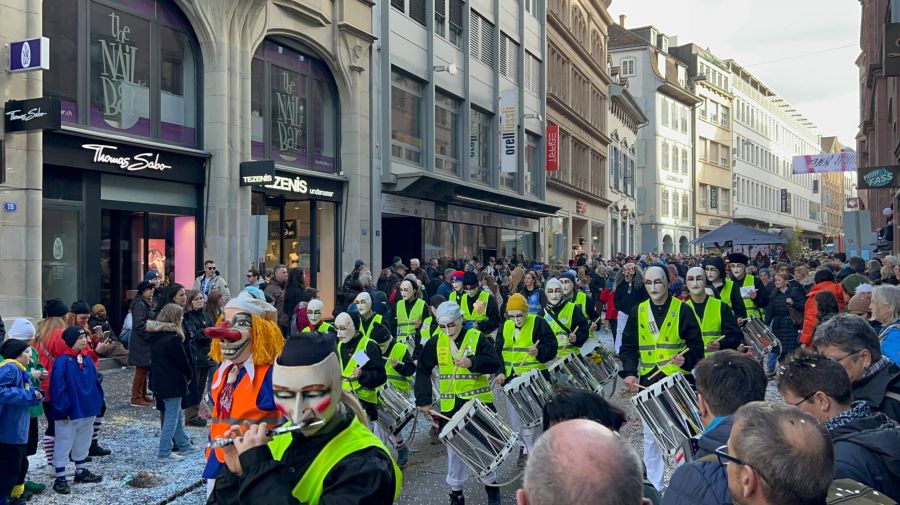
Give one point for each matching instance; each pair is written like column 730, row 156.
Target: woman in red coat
column 824, row 280
column 607, row 296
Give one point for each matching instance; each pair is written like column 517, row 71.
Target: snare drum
column 573, row 370
column 526, row 398
column 394, row 409
column 600, row 362
column 759, row 337
column 480, row 438
column 669, row 409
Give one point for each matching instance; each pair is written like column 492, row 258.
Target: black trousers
column 14, row 456
column 31, row 446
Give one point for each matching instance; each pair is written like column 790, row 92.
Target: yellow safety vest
column 483, row 297
column 367, row 332
column 711, row 324
column 725, row 294
column 581, row 301
column 562, row 334
column 401, row 382
column 364, row 394
column 752, row 308
column 324, row 328
column 459, row 382
column 656, row 351
column 354, row 438
column 425, row 330
column 515, row 349
column 406, row 323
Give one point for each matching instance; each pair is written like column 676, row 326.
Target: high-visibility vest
column 515, row 348
column 750, row 304
column 353, row 438
column 562, row 334
column 581, row 301
column 367, row 332
column 656, row 351
column 364, row 394
column 463, row 303
column 406, row 323
column 398, row 352
column 711, row 323
column 459, row 382
column 725, row 293
column 426, row 330
column 323, row 327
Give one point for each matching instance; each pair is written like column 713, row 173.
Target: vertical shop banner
column 509, row 141
column 552, row 148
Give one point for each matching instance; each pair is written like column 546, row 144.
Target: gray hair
column 416, row 261
column 849, row 333
column 549, row 479
column 788, row 449
column 365, row 280
column 890, row 296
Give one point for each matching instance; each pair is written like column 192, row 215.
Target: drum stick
column 438, row 414
column 659, row 370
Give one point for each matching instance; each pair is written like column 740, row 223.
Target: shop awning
column 440, row 189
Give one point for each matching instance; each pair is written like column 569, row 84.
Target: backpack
column 851, row 492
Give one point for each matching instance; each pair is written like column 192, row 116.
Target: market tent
column 737, row 234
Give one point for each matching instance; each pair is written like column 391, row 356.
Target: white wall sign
column 134, row 163
column 509, row 141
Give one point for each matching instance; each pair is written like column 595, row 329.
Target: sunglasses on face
column 211, row 268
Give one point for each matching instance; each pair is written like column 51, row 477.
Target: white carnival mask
column 657, row 284
column 567, row 285
column 363, row 304
column 346, row 331
column 696, row 281
column 712, row 273
column 314, row 311
column 457, row 285
column 406, row 290
column 554, row 292
column 308, row 393
column 517, row 317
column 738, row 269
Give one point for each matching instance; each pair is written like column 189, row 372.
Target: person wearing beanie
column 341, row 461
column 428, row 325
column 55, row 308
column 98, row 345
column 566, row 322
column 17, row 397
column 585, row 303
column 860, row 303
column 479, row 308
column 138, row 346
column 526, row 343
column 76, row 399
column 753, row 293
column 464, row 360
column 363, row 375
column 823, row 280
column 720, row 283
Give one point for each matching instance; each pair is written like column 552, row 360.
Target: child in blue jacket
column 76, row 398
column 16, row 397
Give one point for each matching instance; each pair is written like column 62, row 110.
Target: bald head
column 581, row 461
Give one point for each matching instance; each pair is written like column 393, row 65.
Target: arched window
column 137, row 74
column 668, row 245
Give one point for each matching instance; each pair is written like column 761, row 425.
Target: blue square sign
column 9, row 206
column 27, row 55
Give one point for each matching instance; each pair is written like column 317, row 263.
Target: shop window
column 138, row 84
column 407, row 120
column 447, row 133
column 480, row 146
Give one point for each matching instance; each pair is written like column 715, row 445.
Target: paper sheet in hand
column 746, row 290
column 361, row 358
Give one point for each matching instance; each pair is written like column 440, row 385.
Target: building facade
column 161, row 101
column 768, row 132
column 459, row 115
column 665, row 168
column 625, row 119
column 577, row 80
column 834, row 198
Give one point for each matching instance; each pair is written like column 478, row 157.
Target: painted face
column 309, row 404
column 737, row 270
column 363, row 304
column 451, row 328
column 346, row 331
column 314, row 312
column 457, row 285
column 237, row 351
column 517, row 317
column 696, row 281
column 473, row 291
column 567, row 286
column 554, row 292
column 656, row 284
column 406, row 290
column 712, row 273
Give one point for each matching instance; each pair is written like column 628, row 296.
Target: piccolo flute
column 224, row 442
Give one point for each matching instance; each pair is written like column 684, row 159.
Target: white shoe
column 171, row 457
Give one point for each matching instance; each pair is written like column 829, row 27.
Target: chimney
column 622, row 20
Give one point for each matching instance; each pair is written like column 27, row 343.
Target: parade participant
column 338, row 463
column 718, row 325
column 245, row 344
column 457, row 285
column 17, row 396
column 629, row 293
column 720, row 284
column 314, row 313
column 399, row 368
column 409, row 312
column 479, row 308
column 579, row 298
column 526, row 343
column 464, row 360
column 753, row 292
column 370, row 324
column 79, row 315
column 361, row 363
column 663, row 336
column 429, row 325
column 568, row 324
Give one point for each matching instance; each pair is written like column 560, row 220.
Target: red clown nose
column 222, row 331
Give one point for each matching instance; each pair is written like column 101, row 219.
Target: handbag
column 795, row 315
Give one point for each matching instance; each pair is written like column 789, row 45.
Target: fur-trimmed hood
column 160, row 326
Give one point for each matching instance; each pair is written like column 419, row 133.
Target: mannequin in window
column 293, row 256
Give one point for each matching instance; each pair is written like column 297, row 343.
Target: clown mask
column 363, row 304
column 314, row 312
column 712, row 273
column 696, row 281
column 406, row 290
column 236, row 343
column 457, row 285
column 517, row 317
column 656, row 284
column 449, row 319
column 308, row 393
column 567, row 286
column 738, row 270
column 346, row 330
column 554, row 292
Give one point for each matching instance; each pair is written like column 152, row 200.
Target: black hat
column 716, row 262
column 12, row 348
column 469, row 279
column 70, row 336
column 740, row 258
column 823, row 275
column 55, row 308
column 436, row 301
column 144, row 285
column 307, row 349
column 80, row 307
column 354, row 315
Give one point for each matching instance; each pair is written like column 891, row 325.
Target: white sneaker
column 171, row 457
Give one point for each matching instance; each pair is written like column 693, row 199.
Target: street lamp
column 451, row 69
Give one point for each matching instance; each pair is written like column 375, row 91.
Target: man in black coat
column 718, row 281
column 629, row 294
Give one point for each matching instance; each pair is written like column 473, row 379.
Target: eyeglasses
column 250, row 275
column 807, row 397
column 724, row 459
column 842, row 358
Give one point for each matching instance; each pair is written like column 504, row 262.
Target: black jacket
column 171, row 367
column 737, row 303
column 372, row 375
column 541, row 335
column 625, row 300
column 362, row 478
column 874, row 391
column 867, row 450
column 702, row 482
column 194, row 323
column 762, row 294
column 104, row 326
column 730, row 329
column 779, row 319
column 380, row 333
column 138, row 346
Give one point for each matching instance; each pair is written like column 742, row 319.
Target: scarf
column 876, row 367
column 857, row 410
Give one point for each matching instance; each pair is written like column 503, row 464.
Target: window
column 416, row 9
column 629, row 178
column 724, row 156
column 406, row 118
column 723, row 112
column 509, row 58
column 701, row 148
column 481, row 39
column 685, row 209
column 704, row 189
column 628, row 67
column 725, row 200
column 675, row 159
column 614, row 168
column 457, row 8
column 664, row 106
column 446, row 133
column 713, row 152
column 480, row 146
column 664, row 203
column 684, row 161
column 531, row 7
column 597, row 172
column 532, row 163
column 665, row 155
column 532, row 74
column 440, row 17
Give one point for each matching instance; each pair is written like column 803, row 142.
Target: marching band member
column 722, row 286
column 479, row 308
column 526, row 343
column 409, row 312
column 399, row 368
column 579, row 298
column 568, row 324
column 314, row 313
column 756, row 297
column 663, row 336
column 464, row 360
column 361, row 363
column 370, row 323
column 715, row 317
column 245, row 343
column 340, row 462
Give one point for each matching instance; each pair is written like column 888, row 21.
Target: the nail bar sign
column 106, row 154
column 30, row 115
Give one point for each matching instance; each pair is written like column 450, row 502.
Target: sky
column 799, row 48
